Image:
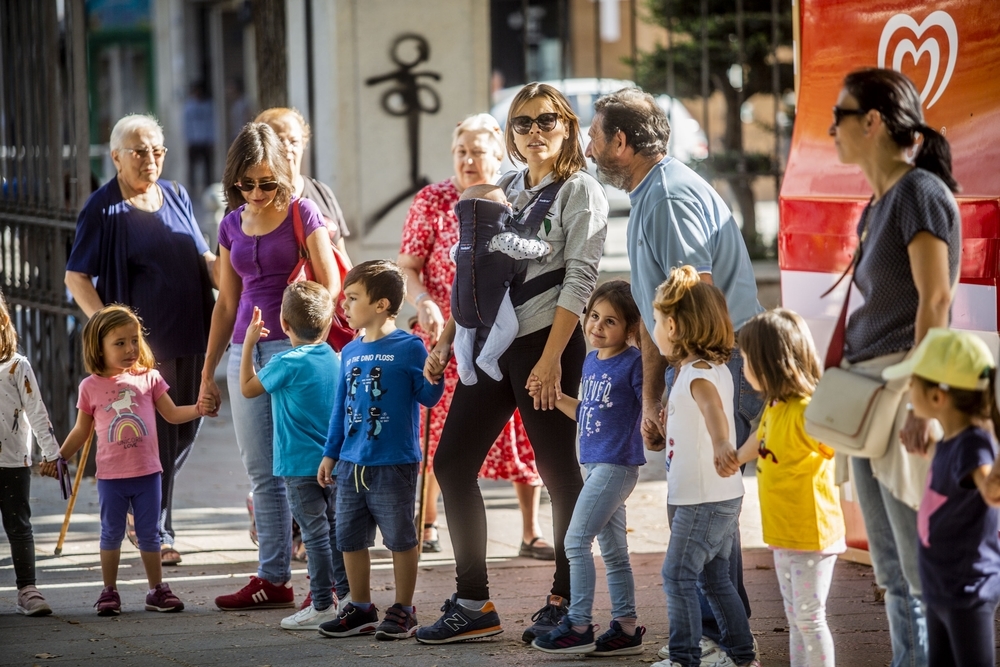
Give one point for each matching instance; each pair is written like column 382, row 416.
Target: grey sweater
column 575, row 227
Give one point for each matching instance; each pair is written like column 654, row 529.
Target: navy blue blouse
column 151, row 261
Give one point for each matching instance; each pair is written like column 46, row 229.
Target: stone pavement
column 211, row 523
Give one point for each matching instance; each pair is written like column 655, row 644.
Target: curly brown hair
column 699, row 311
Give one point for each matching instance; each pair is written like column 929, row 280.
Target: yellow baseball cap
column 953, row 359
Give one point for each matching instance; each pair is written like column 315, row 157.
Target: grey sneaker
column 547, row 618
column 31, row 603
column 398, row 624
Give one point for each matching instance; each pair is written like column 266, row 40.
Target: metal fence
column 44, row 179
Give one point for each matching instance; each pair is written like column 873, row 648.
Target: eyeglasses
column 546, row 122
column 840, row 113
column 143, row 153
column 249, row 185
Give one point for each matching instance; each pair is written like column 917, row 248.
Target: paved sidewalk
column 211, row 523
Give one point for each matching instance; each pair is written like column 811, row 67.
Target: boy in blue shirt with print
column 302, row 395
column 372, row 447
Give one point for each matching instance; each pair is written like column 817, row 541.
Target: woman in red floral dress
column 431, row 229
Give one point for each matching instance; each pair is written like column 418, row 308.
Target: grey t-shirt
column 886, row 322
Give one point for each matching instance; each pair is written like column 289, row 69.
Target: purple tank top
column 264, row 263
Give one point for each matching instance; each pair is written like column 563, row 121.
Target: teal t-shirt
column 677, row 218
column 302, row 383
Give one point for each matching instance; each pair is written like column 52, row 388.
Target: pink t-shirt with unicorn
column 124, row 412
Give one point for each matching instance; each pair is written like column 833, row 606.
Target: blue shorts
column 143, row 495
column 370, row 496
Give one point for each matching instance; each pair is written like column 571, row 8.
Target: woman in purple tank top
column 257, row 252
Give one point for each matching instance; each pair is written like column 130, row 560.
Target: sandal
column 130, row 530
column 431, row 546
column 169, row 556
column 537, row 551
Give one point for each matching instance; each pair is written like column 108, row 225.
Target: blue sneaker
column 351, row 621
column 547, row 618
column 459, row 624
column 616, row 642
column 564, row 639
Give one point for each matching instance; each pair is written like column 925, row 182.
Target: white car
column 687, row 140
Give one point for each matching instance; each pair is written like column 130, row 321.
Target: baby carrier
column 483, row 277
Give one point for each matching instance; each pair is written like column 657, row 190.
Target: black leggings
column 176, row 441
column 15, row 491
column 961, row 637
column 477, row 415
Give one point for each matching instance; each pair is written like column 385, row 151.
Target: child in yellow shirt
column 802, row 520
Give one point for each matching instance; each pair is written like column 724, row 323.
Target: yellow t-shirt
column 799, row 502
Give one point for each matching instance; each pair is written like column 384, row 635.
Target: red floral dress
column 431, row 229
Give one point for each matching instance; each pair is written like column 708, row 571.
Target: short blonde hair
column 779, row 350
column 103, row 322
column 481, row 123
column 699, row 310
column 570, row 159
column 273, row 114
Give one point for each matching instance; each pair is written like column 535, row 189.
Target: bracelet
column 420, row 297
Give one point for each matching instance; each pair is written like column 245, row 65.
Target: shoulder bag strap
column 835, row 353
column 300, row 234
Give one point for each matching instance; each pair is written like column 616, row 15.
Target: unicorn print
column 124, row 403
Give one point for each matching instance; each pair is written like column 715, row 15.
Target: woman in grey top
column 910, row 245
column 544, row 133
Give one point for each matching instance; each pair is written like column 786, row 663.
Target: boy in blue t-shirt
column 372, row 447
column 302, row 394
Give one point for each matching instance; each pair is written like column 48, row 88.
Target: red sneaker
column 309, row 599
column 258, row 594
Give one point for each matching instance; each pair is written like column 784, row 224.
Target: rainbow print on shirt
column 126, row 428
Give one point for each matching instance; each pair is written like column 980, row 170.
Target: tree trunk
column 272, row 63
column 739, row 181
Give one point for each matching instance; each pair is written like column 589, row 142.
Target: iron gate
column 44, row 180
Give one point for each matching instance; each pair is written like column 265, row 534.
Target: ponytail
column 699, row 311
column 935, row 156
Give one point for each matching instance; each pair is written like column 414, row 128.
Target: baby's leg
column 465, row 339
column 502, row 334
column 15, row 491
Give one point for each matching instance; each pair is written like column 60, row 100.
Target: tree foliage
column 684, row 19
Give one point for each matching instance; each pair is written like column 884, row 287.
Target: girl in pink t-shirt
column 118, row 399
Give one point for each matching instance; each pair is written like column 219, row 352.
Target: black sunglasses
column 265, row 186
column 840, row 113
column 546, row 122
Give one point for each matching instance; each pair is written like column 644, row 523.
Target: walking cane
column 76, row 487
column 423, row 480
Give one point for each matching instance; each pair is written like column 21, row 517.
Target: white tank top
column 691, row 475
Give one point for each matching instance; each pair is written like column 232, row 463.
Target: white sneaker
column 665, row 663
column 309, row 618
column 712, row 654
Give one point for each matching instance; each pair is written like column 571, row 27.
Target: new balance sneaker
column 547, row 618
column 258, row 594
column 310, row 618
column 564, row 639
column 32, row 603
column 351, row 621
column 162, row 598
column 617, row 642
column 109, row 604
column 459, row 624
column 398, row 624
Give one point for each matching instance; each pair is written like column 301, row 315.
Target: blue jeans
column 314, row 508
column 701, row 539
column 255, row 438
column 600, row 512
column 370, row 496
column 747, row 406
column 892, row 542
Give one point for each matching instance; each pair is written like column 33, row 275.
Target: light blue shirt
column 677, row 218
column 302, row 384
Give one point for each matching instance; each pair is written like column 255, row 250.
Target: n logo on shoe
column 455, row 622
column 259, row 596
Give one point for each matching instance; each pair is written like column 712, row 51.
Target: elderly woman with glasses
column 257, row 252
column 141, row 241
